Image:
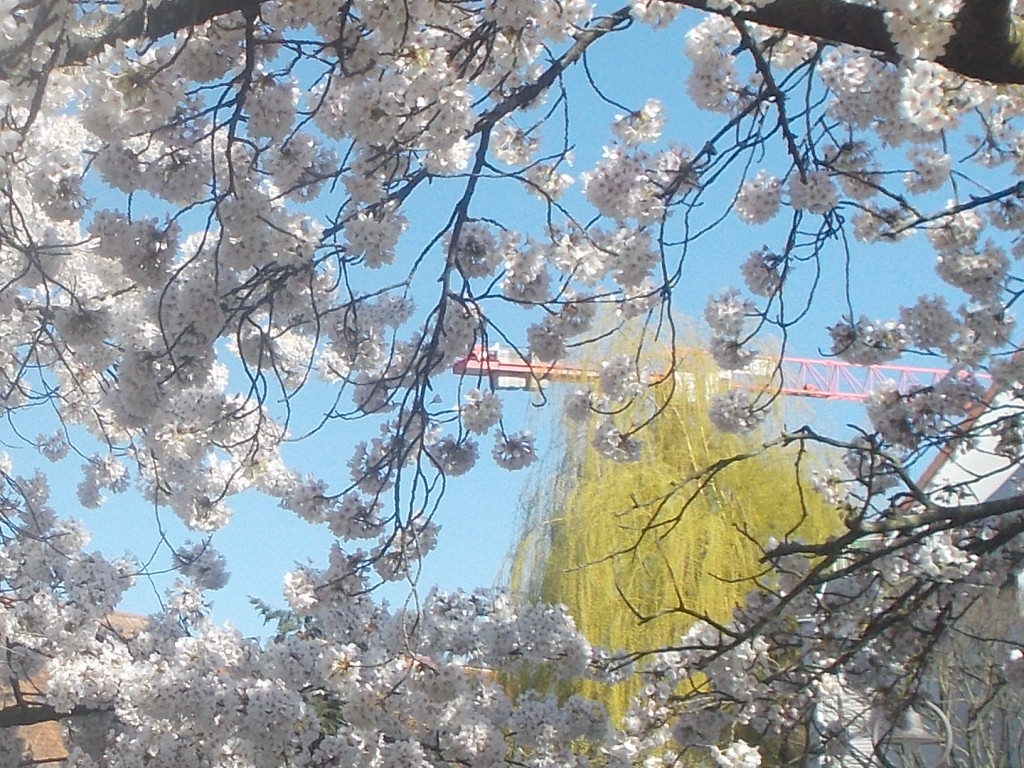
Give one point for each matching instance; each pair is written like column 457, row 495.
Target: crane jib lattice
column 800, row 376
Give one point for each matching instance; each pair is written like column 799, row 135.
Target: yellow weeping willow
column 637, row 550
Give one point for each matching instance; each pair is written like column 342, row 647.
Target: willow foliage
column 637, row 550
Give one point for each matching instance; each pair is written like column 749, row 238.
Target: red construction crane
column 801, row 376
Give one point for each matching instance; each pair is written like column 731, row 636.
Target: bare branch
column 32, row 714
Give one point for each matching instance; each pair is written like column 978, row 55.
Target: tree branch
column 32, row 714
column 165, row 19
column 986, row 46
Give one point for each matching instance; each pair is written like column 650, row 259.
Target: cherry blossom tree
column 219, row 218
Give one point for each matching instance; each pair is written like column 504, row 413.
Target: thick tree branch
column 150, row 24
column 32, row 714
column 936, row 518
column 957, row 515
column 834, row 20
column 987, row 45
